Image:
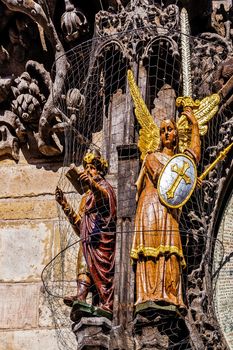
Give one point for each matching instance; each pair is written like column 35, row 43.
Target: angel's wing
column 204, row 113
column 149, row 134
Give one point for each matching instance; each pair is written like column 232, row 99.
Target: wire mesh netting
column 97, row 107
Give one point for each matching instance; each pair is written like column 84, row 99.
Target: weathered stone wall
column 29, row 238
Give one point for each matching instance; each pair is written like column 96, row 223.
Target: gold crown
column 92, row 158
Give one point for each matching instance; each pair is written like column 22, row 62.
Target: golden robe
column 156, row 249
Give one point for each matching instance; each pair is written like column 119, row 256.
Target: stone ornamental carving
column 125, row 26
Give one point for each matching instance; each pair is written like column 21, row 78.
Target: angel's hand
column 59, row 196
column 188, row 112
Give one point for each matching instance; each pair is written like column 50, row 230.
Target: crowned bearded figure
column 95, row 224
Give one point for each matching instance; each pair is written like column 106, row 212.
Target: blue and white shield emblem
column 177, row 181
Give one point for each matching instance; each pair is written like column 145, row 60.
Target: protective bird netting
column 98, row 112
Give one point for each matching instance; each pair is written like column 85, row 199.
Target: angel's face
column 168, row 134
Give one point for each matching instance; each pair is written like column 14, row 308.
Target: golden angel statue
column 157, row 248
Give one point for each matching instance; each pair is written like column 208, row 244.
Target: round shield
column 177, row 181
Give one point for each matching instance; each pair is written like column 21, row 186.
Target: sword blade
column 185, row 53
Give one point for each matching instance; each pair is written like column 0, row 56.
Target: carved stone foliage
column 73, row 22
column 222, row 21
column 209, row 51
column 25, row 98
column 9, row 142
column 30, row 37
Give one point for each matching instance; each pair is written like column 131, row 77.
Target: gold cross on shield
column 180, row 175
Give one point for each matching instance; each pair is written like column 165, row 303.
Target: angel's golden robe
column 156, row 248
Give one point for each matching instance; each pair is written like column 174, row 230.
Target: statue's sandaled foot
column 83, row 286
